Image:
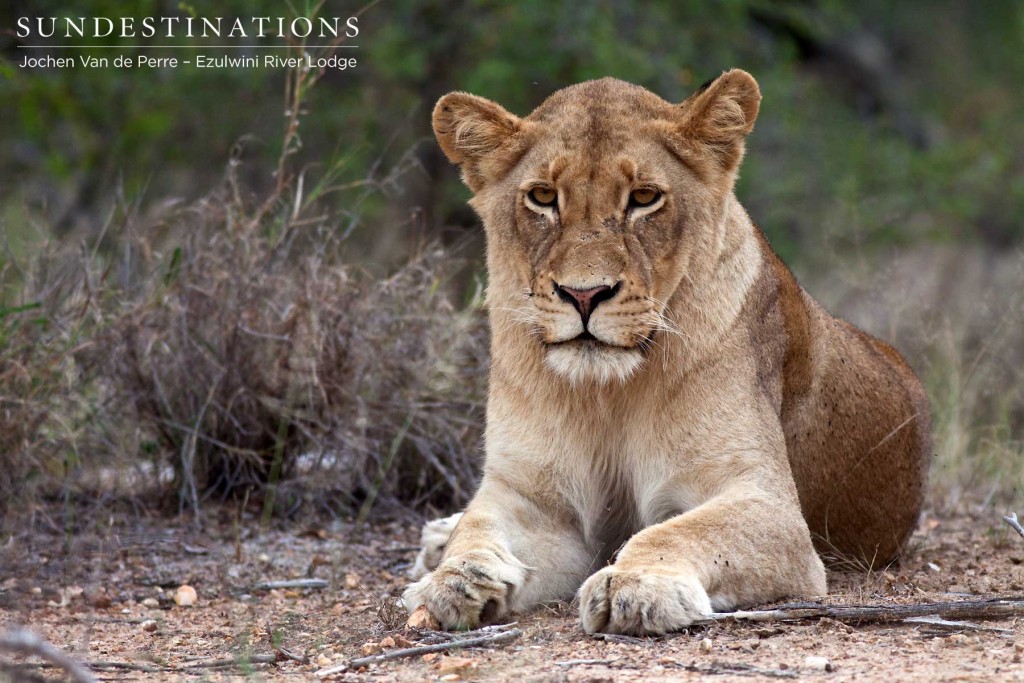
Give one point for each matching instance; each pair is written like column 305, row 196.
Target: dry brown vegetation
column 222, row 350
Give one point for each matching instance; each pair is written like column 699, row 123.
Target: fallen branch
column 967, row 609
column 1011, row 519
column 489, row 639
column 28, row 643
column 290, row 583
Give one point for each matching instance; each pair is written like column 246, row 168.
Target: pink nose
column 586, row 300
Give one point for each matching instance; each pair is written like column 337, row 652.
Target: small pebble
column 370, row 648
column 185, row 596
column 149, row 626
column 818, row 663
column 152, row 603
column 706, row 645
column 323, row 661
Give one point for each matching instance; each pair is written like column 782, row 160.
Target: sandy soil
column 108, row 597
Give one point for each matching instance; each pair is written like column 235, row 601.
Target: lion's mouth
column 587, row 340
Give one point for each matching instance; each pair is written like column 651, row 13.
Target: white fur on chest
column 622, row 487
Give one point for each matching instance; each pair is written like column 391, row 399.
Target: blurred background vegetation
column 188, row 252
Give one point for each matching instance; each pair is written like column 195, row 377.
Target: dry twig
column 941, row 623
column 966, row 609
column 1011, row 519
column 290, row 583
column 128, row 666
column 228, row 662
column 294, row 656
column 718, row 668
column 489, row 639
column 28, row 643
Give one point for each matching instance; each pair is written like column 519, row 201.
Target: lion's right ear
column 471, row 130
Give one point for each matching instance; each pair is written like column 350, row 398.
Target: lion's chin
column 587, row 361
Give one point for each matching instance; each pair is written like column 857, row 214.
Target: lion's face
column 595, row 207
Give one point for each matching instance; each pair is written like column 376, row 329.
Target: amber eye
column 543, row 196
column 645, row 196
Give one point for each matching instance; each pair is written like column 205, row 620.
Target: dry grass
column 245, row 358
column 225, row 348
column 41, row 327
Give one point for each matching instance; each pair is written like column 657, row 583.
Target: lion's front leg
column 740, row 548
column 433, row 540
column 504, row 554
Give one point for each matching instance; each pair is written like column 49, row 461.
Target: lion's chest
column 625, row 486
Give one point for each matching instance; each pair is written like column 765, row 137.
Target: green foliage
column 870, row 127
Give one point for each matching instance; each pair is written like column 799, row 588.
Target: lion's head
column 600, row 207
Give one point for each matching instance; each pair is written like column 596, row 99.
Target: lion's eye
column 645, row 196
column 543, row 196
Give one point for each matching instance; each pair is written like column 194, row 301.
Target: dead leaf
column 422, row 618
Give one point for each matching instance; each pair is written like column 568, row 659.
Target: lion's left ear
column 721, row 114
column 470, row 130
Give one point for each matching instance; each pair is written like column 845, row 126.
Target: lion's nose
column 586, row 300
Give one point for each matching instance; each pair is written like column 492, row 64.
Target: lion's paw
column 469, row 589
column 433, row 538
column 639, row 603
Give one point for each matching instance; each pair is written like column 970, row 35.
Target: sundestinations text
column 188, row 27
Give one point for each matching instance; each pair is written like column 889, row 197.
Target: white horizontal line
column 188, row 47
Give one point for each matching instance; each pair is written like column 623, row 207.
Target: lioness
column 670, row 413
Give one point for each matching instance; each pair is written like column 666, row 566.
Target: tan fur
column 682, row 460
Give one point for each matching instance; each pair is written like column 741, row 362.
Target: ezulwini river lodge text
column 200, row 61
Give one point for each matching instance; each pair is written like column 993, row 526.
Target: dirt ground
column 107, row 598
